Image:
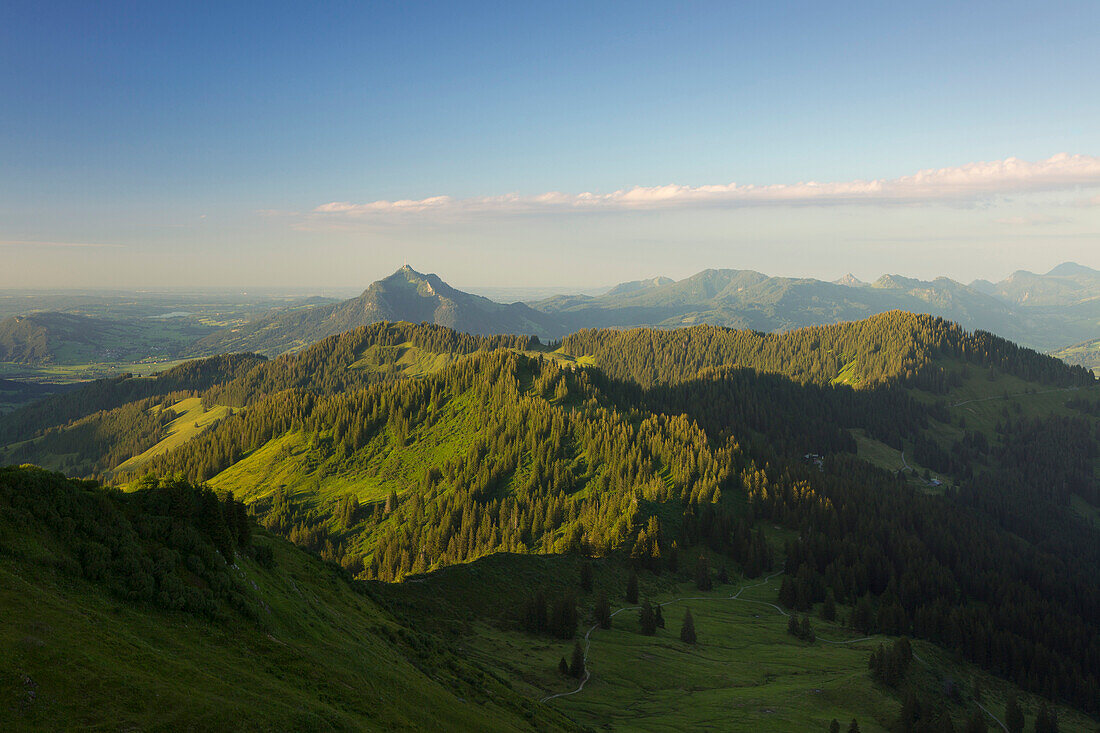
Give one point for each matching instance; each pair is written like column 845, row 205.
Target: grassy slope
column 982, row 400
column 326, row 658
column 291, row 462
column 884, row 456
column 193, row 419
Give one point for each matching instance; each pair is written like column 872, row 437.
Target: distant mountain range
column 1041, row 311
column 1045, row 312
column 406, row 295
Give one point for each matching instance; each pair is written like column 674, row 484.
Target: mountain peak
column 406, row 271
column 850, row 280
column 894, row 282
column 1069, row 269
column 636, row 285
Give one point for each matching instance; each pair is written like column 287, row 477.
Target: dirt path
column 588, row 634
column 1018, row 394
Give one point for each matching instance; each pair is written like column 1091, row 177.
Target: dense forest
column 168, row 544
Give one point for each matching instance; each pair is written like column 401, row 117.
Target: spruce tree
column 786, row 592
column 910, row 711
column 586, row 577
column 1045, row 720
column 834, row 727
column 576, row 666
column 647, row 620
column 563, row 667
column 687, row 630
column 792, row 626
column 853, row 727
column 658, row 616
column 976, row 723
column 1014, row 716
column 603, row 611
column 632, row 588
column 702, row 574
column 828, row 609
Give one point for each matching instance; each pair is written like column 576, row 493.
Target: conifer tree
column 786, row 592
column 647, row 620
column 910, row 711
column 1014, row 716
column 687, row 630
column 828, row 609
column 563, row 619
column 603, row 611
column 563, row 667
column 976, row 722
column 834, row 727
column 632, row 588
column 658, row 616
column 794, row 630
column 1046, row 721
column 702, row 574
column 586, row 577
column 576, row 666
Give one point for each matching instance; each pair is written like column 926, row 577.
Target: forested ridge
column 890, row 348
column 328, row 365
column 688, row 439
column 554, row 468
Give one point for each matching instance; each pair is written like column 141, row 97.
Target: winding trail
column 733, row 597
column 1018, row 394
column 588, row 634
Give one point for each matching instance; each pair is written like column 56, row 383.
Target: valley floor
column 745, row 673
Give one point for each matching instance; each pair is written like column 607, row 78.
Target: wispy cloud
column 35, row 243
column 967, row 183
column 1032, row 220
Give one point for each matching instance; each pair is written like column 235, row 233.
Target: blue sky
column 193, row 143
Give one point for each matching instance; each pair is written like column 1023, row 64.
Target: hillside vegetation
column 397, row 450
column 1086, row 353
column 145, row 611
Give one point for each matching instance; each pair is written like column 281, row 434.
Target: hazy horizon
column 493, row 292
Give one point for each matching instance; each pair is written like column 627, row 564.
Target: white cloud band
column 970, row 182
column 36, row 243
